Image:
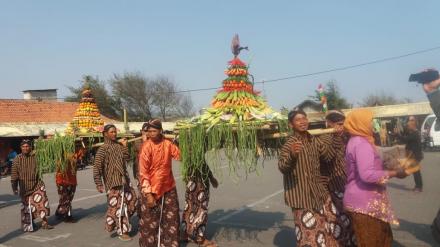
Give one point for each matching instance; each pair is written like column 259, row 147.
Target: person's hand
column 123, row 141
column 100, row 188
column 15, row 192
column 432, row 86
column 214, row 182
column 151, row 201
column 144, row 138
column 400, row 173
column 339, row 130
column 297, row 147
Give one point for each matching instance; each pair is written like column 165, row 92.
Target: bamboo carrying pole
column 167, row 136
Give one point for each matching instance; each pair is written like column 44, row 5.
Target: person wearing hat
column 433, row 94
column 159, row 223
column 305, row 189
column 32, row 189
column 138, row 147
column 111, row 166
column 334, row 171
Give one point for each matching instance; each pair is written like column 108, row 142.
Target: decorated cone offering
column 87, row 118
column 56, row 153
column 239, row 123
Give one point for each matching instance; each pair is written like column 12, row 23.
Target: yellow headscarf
column 359, row 123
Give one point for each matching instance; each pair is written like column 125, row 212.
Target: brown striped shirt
column 111, row 165
column 304, row 187
column 334, row 169
column 25, row 175
column 137, row 148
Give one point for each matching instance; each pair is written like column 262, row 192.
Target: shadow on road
column 285, row 237
column 398, row 186
column 243, row 226
column 9, row 200
column 420, row 231
column 79, row 213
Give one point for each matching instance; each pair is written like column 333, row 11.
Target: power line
column 318, row 72
column 326, row 71
column 352, row 66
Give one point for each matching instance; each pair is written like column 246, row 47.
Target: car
column 430, row 132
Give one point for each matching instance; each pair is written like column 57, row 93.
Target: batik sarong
column 312, row 228
column 160, row 223
column 121, row 206
column 195, row 214
column 340, row 223
column 66, row 193
column 370, row 231
column 35, row 205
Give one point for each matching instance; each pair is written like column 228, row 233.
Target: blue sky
column 51, row 44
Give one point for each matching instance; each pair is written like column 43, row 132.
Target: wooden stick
column 313, row 132
column 167, row 136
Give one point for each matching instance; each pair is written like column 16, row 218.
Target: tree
column 380, row 99
column 185, row 108
column 134, row 92
column 335, row 101
column 168, row 101
column 106, row 104
column 284, row 110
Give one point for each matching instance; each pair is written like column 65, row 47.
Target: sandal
column 124, row 237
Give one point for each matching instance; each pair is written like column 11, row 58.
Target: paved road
column 243, row 212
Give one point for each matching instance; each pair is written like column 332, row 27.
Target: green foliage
column 335, row 101
column 106, row 104
column 241, row 144
column 55, row 153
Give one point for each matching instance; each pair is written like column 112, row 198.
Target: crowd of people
column 335, row 184
column 154, row 198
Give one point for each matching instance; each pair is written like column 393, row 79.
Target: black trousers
column 418, row 179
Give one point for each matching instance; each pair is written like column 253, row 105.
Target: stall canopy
column 33, row 129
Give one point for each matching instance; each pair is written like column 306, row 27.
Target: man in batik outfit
column 111, row 166
column 304, row 187
column 138, row 148
column 159, row 223
column 334, row 169
column 32, row 189
column 195, row 214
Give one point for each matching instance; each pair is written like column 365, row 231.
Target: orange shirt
column 155, row 171
column 68, row 177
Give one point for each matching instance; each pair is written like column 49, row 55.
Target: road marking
column 81, row 199
column 221, row 167
column 44, row 239
column 248, row 206
column 4, row 202
column 93, row 190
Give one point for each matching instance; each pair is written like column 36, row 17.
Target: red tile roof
column 14, row 111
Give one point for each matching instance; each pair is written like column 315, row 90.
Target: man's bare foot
column 208, row 243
